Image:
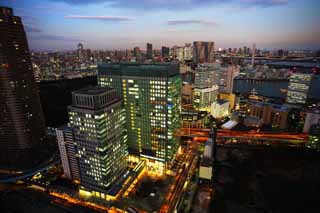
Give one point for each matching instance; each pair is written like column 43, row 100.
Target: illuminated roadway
column 178, row 188
column 54, row 160
column 201, row 134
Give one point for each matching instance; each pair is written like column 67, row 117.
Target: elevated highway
column 246, row 137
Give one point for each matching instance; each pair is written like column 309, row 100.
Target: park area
column 150, row 192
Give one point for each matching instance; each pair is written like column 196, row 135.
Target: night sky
column 122, row 24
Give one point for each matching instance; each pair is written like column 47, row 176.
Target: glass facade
column 151, row 96
column 22, row 127
column 203, row 98
column 298, row 88
column 100, row 135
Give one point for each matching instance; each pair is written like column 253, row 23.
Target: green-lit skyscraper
column 151, row 94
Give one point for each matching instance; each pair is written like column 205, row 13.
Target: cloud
column 79, row 2
column 32, row 28
column 102, row 18
column 50, row 8
column 192, row 21
column 29, row 18
column 263, row 3
column 57, row 38
column 175, row 4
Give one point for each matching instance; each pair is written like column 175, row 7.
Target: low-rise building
column 312, row 117
column 273, row 114
column 203, row 98
column 220, row 108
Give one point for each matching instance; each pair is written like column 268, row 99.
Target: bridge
column 54, row 160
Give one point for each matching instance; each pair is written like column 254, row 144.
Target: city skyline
column 121, row 24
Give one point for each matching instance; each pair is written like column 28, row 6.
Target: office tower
column 137, row 53
column 207, row 75
column 149, row 51
column 203, row 51
column 204, row 76
column 253, row 54
column 205, row 90
column 22, row 127
column 280, row 53
column 298, row 88
column 209, row 51
column 177, row 53
column 128, row 55
column 165, row 51
column 80, row 51
column 97, row 118
column 68, row 153
column 245, row 50
column 227, row 75
column 312, row 117
column 198, row 52
column 80, row 46
column 152, row 97
column 187, row 52
column 204, row 97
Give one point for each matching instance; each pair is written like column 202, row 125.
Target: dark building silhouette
column 165, row 51
column 22, row 127
column 137, row 53
column 149, row 51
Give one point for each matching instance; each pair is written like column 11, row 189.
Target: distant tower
column 22, row 127
column 128, row 55
column 253, row 53
column 149, row 51
column 137, row 53
column 80, row 51
column 203, row 51
column 80, row 46
column 165, row 51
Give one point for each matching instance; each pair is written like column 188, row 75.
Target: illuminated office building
column 22, row 128
column 183, row 53
column 152, row 96
column 204, row 76
column 97, row 119
column 68, row 152
column 203, row 98
column 298, row 89
column 205, row 91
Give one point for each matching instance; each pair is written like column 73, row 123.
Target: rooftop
column 222, row 101
column 137, row 69
column 93, row 90
column 278, row 107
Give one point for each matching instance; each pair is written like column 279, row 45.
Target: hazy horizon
column 53, row 25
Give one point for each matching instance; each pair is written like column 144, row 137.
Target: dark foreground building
column 22, row 128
